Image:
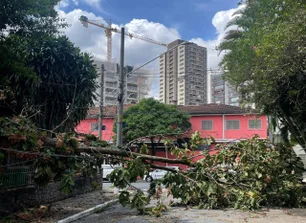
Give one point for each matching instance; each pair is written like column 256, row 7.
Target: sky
column 200, row 21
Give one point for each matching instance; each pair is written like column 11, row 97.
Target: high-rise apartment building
column 221, row 91
column 183, row 72
column 136, row 87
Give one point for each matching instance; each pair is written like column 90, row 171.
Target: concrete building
column 136, row 87
column 221, row 91
column 183, row 74
column 223, row 122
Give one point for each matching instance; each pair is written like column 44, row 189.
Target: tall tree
column 155, row 120
column 22, row 22
column 27, row 17
column 266, row 62
column 66, row 84
column 42, row 74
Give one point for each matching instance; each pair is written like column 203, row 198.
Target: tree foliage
column 66, row 84
column 20, row 138
column 245, row 175
column 266, row 61
column 43, row 75
column 22, row 21
column 150, row 118
column 28, row 17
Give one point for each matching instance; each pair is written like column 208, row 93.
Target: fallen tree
column 246, row 174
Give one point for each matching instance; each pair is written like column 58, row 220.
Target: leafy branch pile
column 60, row 161
column 245, row 175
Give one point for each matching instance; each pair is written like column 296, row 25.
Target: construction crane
column 108, row 32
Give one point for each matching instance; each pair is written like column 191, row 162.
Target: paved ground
column 65, row 208
column 118, row 214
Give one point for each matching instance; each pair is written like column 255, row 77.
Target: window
column 233, row 124
column 207, row 124
column 94, row 126
column 255, row 124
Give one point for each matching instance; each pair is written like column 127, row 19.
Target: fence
column 17, row 171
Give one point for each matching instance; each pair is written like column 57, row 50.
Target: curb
column 89, row 211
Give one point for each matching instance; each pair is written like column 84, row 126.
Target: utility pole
column 100, row 121
column 120, row 92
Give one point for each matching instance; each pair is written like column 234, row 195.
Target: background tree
column 27, row 17
column 266, row 61
column 153, row 119
column 42, row 74
column 21, row 22
column 66, row 84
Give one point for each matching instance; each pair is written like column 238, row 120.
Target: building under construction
column 136, row 86
column 221, row 91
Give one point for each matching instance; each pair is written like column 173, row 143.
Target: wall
column 16, row 198
column 196, row 125
column 216, row 132
column 107, row 134
column 244, row 131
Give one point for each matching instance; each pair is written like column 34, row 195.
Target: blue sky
column 198, row 21
column 192, row 18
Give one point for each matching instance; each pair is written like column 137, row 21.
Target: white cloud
column 63, row 4
column 137, row 52
column 219, row 21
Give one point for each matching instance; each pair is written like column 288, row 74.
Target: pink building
column 223, row 122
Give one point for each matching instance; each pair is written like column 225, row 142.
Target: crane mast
column 108, row 32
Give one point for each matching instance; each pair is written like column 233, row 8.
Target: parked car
column 107, row 169
column 158, row 173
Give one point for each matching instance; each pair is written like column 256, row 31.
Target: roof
column 209, row 109
column 206, row 109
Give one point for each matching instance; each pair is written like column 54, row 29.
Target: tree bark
column 119, row 152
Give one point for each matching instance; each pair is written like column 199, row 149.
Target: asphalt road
column 118, row 214
column 181, row 214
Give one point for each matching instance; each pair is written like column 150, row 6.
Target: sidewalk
column 65, row 208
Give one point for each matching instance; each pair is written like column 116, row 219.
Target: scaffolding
column 221, row 91
column 136, row 86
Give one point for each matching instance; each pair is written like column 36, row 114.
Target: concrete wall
column 107, row 134
column 16, row 198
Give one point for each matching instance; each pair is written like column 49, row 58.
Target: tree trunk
column 152, row 148
column 119, row 152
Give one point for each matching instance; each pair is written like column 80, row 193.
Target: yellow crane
column 108, row 32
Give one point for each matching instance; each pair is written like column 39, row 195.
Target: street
column 119, row 214
column 183, row 214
